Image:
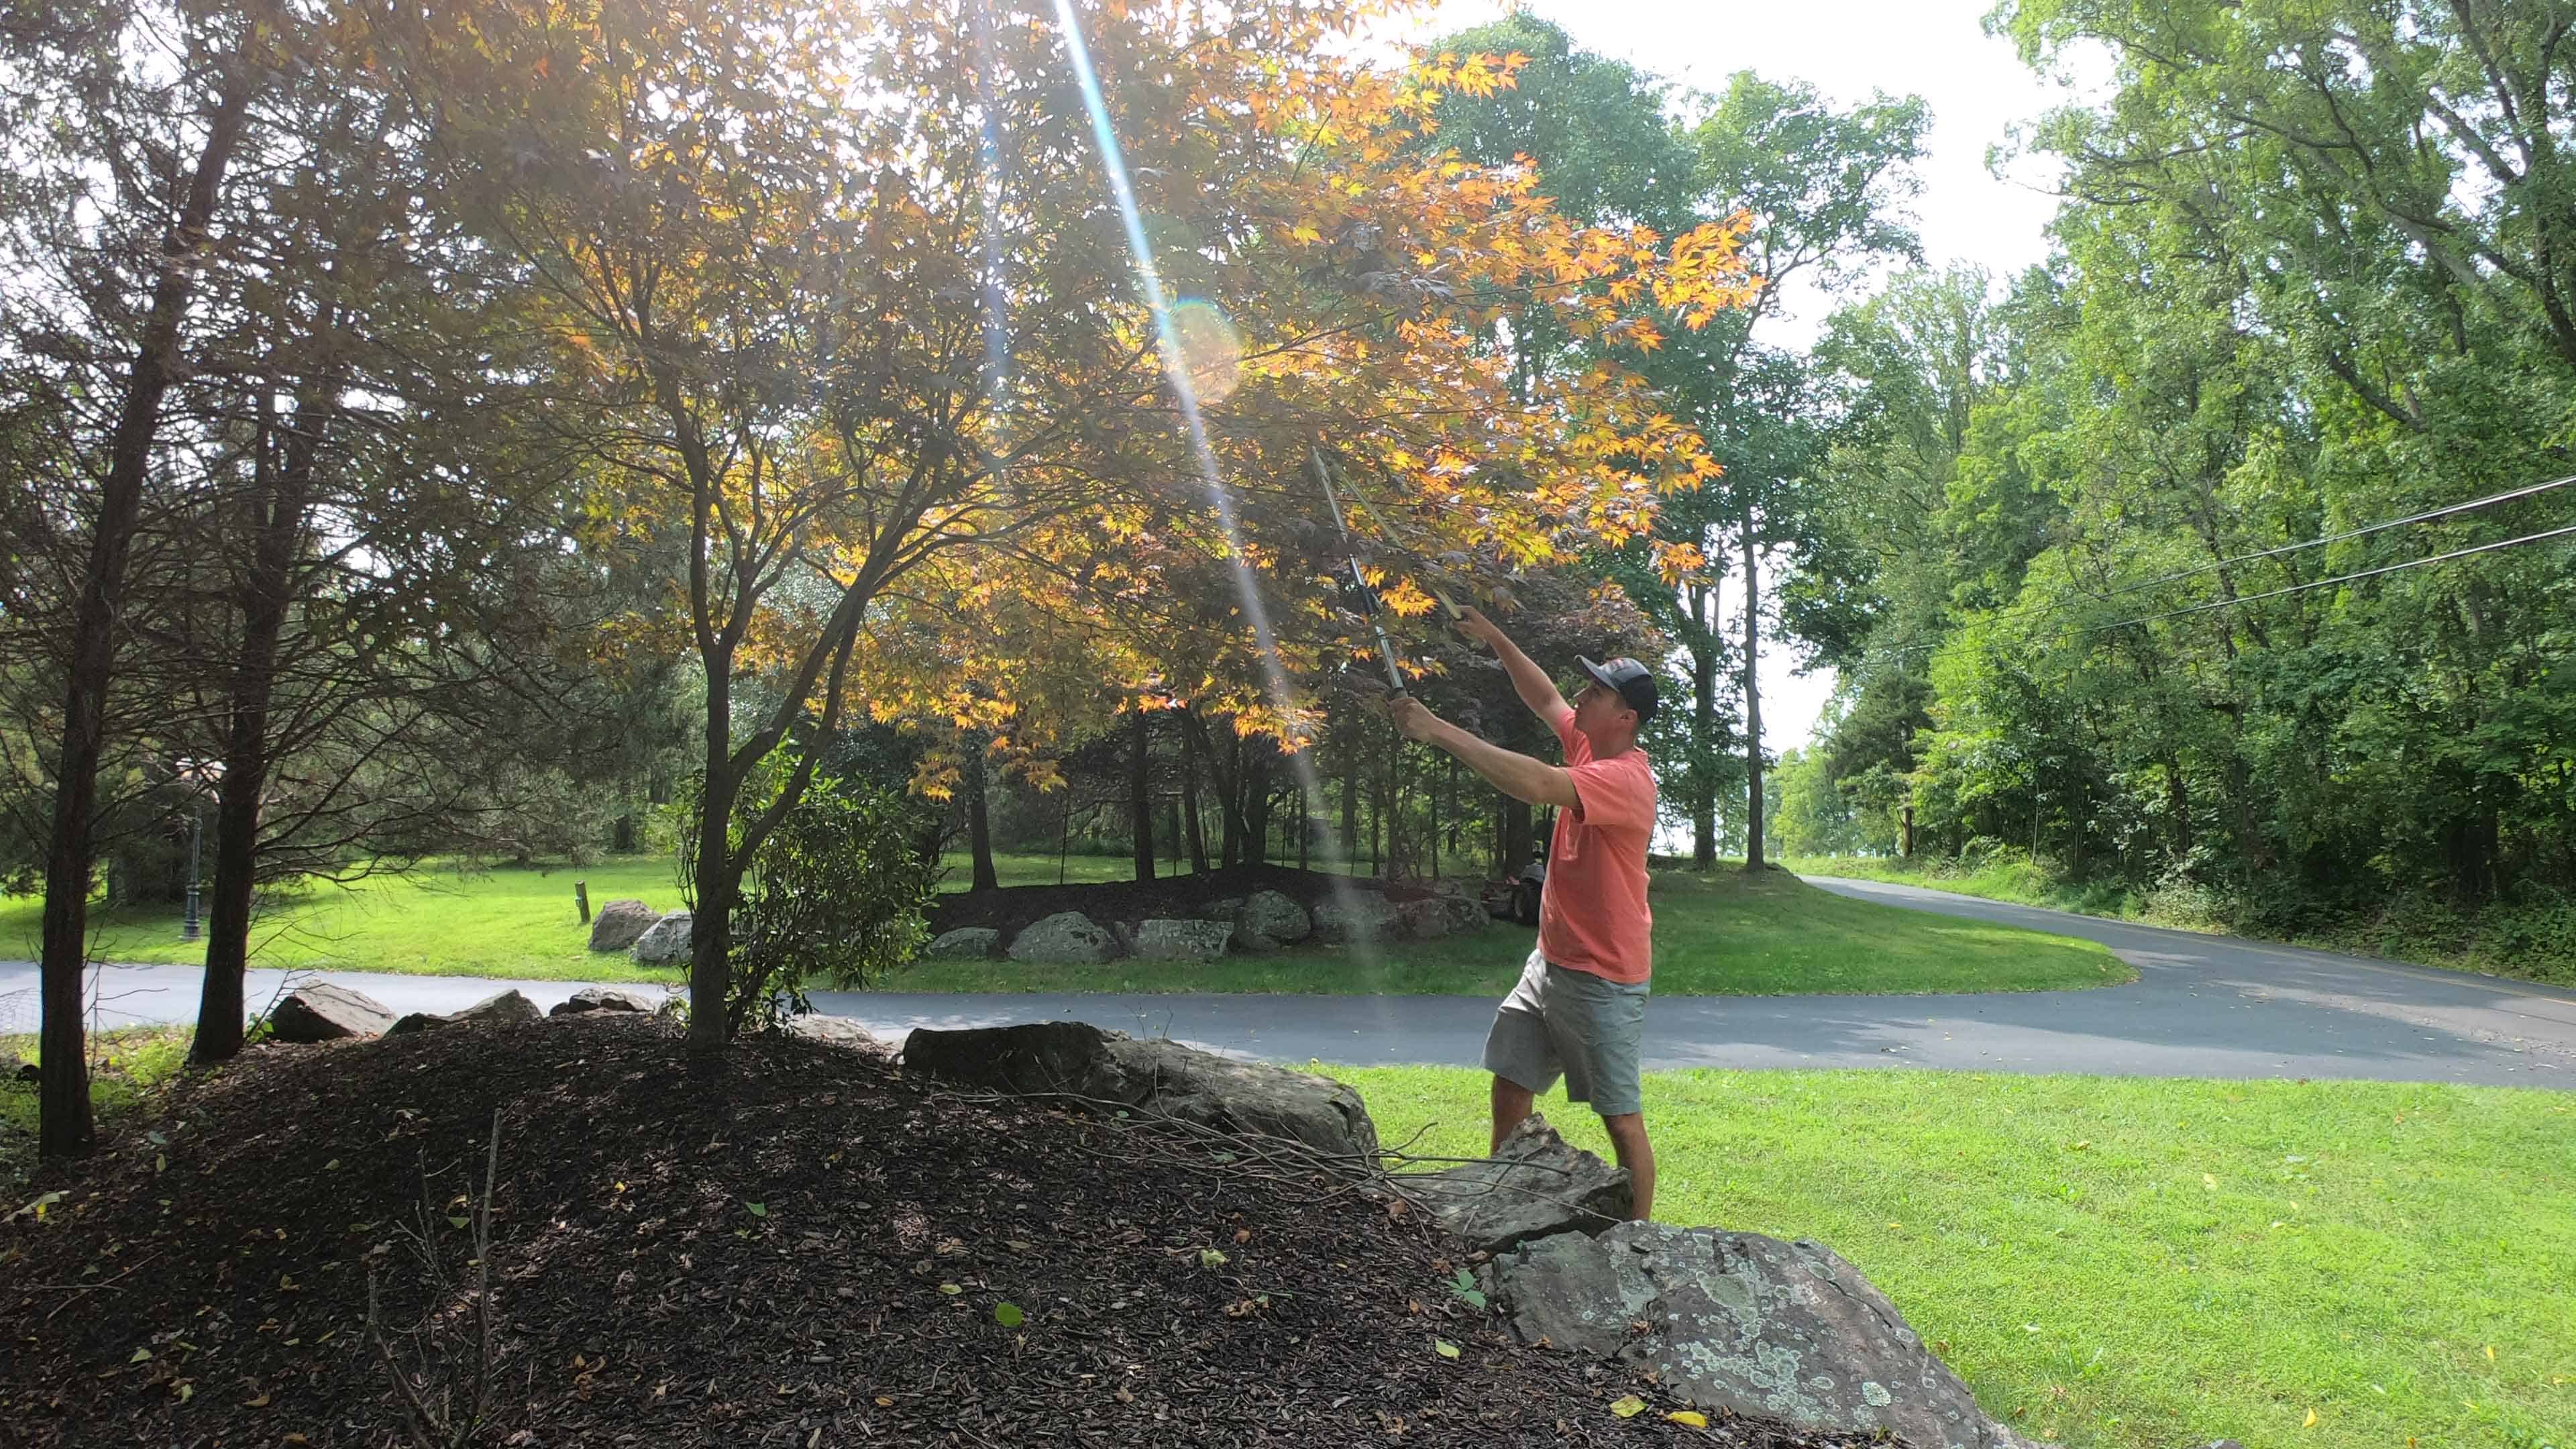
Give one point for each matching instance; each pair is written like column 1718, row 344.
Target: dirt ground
column 799, row 1246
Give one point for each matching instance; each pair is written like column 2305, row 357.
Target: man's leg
column 1512, row 1102
column 1518, row 1050
column 1628, row 1139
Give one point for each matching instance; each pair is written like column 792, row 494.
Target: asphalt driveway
column 2203, row 1006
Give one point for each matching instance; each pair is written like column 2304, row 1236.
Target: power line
column 2394, row 568
column 2429, row 515
column 2366, row 529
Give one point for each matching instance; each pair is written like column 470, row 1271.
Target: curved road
column 2203, row 1006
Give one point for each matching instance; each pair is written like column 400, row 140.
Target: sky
column 1977, row 88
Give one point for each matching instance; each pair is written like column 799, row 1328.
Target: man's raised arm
column 1535, row 688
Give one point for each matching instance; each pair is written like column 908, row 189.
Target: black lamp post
column 197, row 774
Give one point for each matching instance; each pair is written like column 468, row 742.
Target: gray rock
column 1109, row 1068
column 1464, row 913
column 665, row 941
column 976, row 943
column 1536, row 1186
column 1423, row 920
column 1273, row 917
column 604, row 998
column 1182, row 940
column 839, row 1031
column 619, row 923
column 1064, row 936
column 506, row 1008
column 28, row 1072
column 1357, row 915
column 1744, row 1323
column 324, row 1012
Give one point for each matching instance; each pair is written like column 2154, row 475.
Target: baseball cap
column 1634, row 682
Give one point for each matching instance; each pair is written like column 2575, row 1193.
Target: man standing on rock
column 1580, row 1008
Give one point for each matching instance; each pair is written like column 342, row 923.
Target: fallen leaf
column 455, row 1222
column 2491, row 1353
column 1444, row 1348
column 141, row 1355
column 884, row 1403
column 331, row 1166
column 757, row 1209
column 951, row 1289
column 1693, row 1417
column 1629, row 1407
column 1243, row 1235
column 2312, row 1420
column 296, row 1439
column 1211, row 1258
column 184, row 1389
column 1008, row 1315
column 160, row 1162
column 262, row 1402
column 2084, row 1146
column 2209, row 1182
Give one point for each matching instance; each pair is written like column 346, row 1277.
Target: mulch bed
column 797, row 1247
column 1176, row 897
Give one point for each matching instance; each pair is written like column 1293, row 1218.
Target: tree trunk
column 64, row 1125
column 1752, row 698
column 1256, row 799
column 1350, row 798
column 1140, row 797
column 1194, row 833
column 1703, row 803
column 715, row 879
column 277, row 524
column 1516, row 835
column 979, row 819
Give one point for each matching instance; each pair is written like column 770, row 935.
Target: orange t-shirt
column 1593, row 916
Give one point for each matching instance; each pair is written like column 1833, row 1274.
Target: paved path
column 2203, row 1006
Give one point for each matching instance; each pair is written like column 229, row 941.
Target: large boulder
column 1535, row 1185
column 974, row 943
column 1165, row 940
column 1108, row 1069
column 1744, row 1323
column 1464, row 912
column 506, row 1008
column 665, row 941
column 839, row 1031
column 619, row 923
column 1423, row 920
column 1064, row 936
column 1355, row 915
column 1269, row 919
column 604, row 998
column 324, row 1012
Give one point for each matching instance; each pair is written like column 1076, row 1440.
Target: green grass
column 126, row 1066
column 2531, row 941
column 445, row 921
column 2141, row 1262
column 1724, row 933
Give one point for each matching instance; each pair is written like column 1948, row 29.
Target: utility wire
column 2394, row 568
column 2366, row 529
column 2429, row 515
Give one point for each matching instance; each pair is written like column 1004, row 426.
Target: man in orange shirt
column 1580, row 1008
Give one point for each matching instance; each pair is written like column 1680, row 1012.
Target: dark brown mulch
column 802, row 1249
column 1176, row 896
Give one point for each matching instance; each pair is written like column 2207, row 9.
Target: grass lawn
column 125, row 1068
column 1724, row 933
column 2529, row 942
column 2149, row 1263
column 505, row 921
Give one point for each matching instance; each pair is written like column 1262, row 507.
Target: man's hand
column 1411, row 718
column 1474, row 624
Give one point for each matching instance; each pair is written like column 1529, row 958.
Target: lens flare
column 1211, row 350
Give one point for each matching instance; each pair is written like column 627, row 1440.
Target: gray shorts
column 1573, row 1024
